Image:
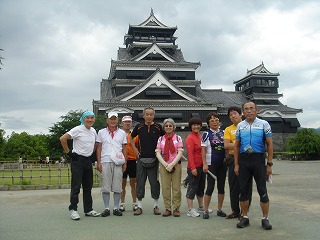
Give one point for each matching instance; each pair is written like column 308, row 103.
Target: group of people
column 151, row 148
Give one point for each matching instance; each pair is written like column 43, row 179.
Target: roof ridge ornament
column 151, row 13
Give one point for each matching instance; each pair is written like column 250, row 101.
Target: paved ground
column 294, row 214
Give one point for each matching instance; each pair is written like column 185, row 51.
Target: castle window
column 158, row 93
column 177, row 75
column 259, row 82
column 271, row 83
column 135, row 75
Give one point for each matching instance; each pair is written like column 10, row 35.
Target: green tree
column 26, row 145
column 2, row 142
column 68, row 121
column 306, row 142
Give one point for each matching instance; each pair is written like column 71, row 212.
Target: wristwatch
column 269, row 164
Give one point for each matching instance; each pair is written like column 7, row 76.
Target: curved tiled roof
column 166, row 55
column 257, row 71
column 141, row 85
column 229, row 99
column 124, row 55
column 153, row 64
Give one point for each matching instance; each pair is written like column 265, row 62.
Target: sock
column 116, row 199
column 156, row 203
column 106, row 199
column 139, row 204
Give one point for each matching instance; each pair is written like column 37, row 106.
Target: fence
column 23, row 174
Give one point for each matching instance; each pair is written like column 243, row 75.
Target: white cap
column 111, row 114
column 127, row 118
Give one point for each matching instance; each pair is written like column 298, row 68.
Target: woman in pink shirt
column 169, row 151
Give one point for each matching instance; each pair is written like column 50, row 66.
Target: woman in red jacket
column 194, row 169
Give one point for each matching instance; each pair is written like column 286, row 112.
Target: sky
column 57, row 52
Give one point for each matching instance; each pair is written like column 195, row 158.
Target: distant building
column 151, row 71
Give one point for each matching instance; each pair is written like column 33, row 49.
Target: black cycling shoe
column 205, row 215
column 221, row 213
column 265, row 224
column 244, row 222
column 105, row 213
column 117, row 212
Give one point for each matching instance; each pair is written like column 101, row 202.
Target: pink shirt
column 177, row 142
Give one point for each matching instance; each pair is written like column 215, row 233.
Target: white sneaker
column 192, row 213
column 93, row 213
column 122, row 207
column 74, row 215
column 134, row 206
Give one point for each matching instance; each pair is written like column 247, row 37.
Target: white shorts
column 111, row 178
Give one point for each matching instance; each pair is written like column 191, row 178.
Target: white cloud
column 55, row 59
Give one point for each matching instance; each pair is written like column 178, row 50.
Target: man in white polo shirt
column 111, row 152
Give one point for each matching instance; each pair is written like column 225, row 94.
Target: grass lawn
column 52, row 174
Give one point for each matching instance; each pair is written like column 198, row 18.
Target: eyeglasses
column 214, row 120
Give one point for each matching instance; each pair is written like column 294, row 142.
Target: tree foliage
column 68, row 121
column 2, row 142
column 306, row 142
column 26, row 145
column 33, row 146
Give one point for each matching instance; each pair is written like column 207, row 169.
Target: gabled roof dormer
column 258, row 80
column 259, row 71
column 152, row 21
column 157, row 80
column 154, row 51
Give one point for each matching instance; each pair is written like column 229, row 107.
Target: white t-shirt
column 104, row 137
column 83, row 140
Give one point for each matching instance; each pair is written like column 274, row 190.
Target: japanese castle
column 151, row 70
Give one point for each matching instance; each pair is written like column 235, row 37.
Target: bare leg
column 207, row 200
column 220, row 201
column 123, row 194
column 189, row 203
column 200, row 201
column 265, row 209
column 244, row 207
column 133, row 189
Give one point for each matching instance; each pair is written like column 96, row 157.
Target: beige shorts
column 111, row 178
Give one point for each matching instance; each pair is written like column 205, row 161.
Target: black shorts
column 220, row 171
column 252, row 165
column 196, row 184
column 131, row 169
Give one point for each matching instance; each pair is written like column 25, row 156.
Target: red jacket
column 193, row 145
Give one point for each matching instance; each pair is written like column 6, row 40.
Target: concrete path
column 294, row 214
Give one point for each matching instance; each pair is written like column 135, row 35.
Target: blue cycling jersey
column 252, row 136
